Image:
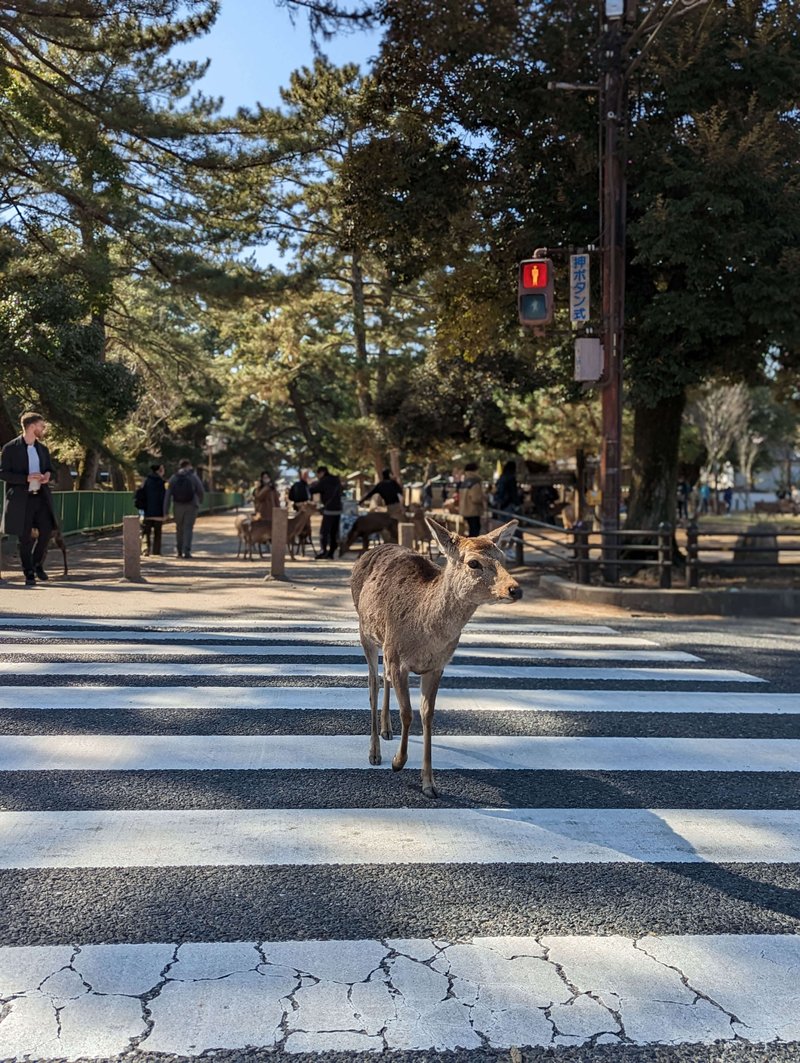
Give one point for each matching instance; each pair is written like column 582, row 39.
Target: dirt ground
column 214, row 583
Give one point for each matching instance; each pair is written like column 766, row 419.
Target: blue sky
column 254, row 47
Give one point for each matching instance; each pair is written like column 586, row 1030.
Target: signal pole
column 614, row 116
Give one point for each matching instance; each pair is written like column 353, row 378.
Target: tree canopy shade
column 108, row 160
column 713, row 176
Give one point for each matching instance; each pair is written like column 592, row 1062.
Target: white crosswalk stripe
column 114, row 784
column 264, row 670
column 502, row 653
column 321, row 752
column 340, row 699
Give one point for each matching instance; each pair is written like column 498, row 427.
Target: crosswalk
column 196, row 856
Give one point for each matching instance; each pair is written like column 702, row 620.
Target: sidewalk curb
column 734, row 602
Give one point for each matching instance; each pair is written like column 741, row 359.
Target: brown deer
column 416, row 611
column 368, row 525
column 423, row 540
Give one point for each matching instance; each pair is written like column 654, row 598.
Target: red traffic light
column 535, row 274
column 535, row 291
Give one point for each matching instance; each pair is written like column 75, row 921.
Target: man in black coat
column 153, row 523
column 329, row 489
column 26, row 468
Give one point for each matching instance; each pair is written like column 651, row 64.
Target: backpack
column 183, row 488
column 140, row 497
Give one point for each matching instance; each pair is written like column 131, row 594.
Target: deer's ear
column 503, row 533
column 446, row 541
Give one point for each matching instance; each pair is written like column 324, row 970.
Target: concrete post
column 277, row 550
column 406, row 535
column 131, row 550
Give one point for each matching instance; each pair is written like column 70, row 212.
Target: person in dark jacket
column 329, row 489
column 506, row 492
column 26, row 467
column 153, row 521
column 300, row 491
column 390, row 491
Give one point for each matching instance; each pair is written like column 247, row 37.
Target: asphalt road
column 72, row 885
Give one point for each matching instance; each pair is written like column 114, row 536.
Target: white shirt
column 34, row 465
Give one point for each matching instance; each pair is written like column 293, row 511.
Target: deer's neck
column 448, row 608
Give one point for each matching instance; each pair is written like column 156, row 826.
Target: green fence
column 79, row 511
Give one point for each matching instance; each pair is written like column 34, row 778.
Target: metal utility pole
column 614, row 115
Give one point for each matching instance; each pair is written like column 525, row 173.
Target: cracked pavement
column 100, row 1001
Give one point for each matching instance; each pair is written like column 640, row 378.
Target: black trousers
column 152, row 528
column 37, row 515
column 473, row 526
column 329, row 533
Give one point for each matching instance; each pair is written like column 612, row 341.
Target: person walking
column 300, row 491
column 26, row 468
column 329, row 489
column 506, row 491
column 390, row 492
column 185, row 491
column 153, row 493
column 265, row 498
column 471, row 499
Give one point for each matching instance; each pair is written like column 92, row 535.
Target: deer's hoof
column 429, row 790
column 374, row 758
column 387, row 734
column 398, row 764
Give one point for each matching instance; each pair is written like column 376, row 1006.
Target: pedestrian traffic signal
column 535, row 291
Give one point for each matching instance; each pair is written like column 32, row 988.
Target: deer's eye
column 474, row 564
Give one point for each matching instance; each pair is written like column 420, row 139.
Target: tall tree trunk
column 118, row 481
column 654, row 484
column 87, row 480
column 8, row 430
column 363, row 393
column 299, row 407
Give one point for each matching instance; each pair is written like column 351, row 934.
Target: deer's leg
column 400, row 684
column 430, row 686
column 371, row 653
column 386, row 716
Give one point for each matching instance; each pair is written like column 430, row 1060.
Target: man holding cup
column 26, row 468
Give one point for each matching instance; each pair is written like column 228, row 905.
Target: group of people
column 184, row 492
column 329, row 489
column 26, row 468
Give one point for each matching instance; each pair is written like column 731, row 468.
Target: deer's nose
column 515, row 593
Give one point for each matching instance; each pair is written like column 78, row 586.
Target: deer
column 422, row 533
column 368, row 525
column 298, row 528
column 414, row 611
column 254, row 532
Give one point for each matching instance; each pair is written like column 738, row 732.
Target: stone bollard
column 131, row 550
column 277, row 549
column 406, row 535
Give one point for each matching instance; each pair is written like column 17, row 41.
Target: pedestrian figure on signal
column 471, row 499
column 329, row 489
column 185, row 491
column 149, row 499
column 26, row 468
column 390, row 492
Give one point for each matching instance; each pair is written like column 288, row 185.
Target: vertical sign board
column 579, row 308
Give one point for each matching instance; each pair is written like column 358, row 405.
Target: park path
column 196, row 855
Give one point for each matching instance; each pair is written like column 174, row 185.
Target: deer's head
column 478, row 564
